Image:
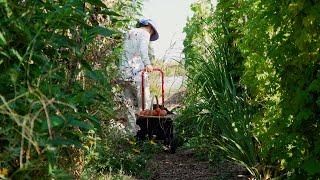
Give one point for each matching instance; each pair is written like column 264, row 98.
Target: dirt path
column 184, row 165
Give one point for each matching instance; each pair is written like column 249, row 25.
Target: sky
column 170, row 17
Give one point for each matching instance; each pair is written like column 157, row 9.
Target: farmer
column 135, row 58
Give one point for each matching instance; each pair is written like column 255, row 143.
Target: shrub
column 54, row 81
column 259, row 60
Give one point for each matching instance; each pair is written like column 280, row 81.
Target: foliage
column 104, row 156
column 220, row 112
column 288, row 47
column 56, row 61
column 261, row 59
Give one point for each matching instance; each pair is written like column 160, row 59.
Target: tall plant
column 221, row 113
column 270, row 50
column 54, row 85
column 281, row 43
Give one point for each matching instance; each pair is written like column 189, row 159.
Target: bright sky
column 171, row 17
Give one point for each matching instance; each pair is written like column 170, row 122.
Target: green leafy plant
column 259, row 60
column 54, row 81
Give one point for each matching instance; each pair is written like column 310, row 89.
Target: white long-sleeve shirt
column 135, row 56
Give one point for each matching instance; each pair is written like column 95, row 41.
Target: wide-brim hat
column 155, row 35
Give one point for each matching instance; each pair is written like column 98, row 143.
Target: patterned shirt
column 135, row 56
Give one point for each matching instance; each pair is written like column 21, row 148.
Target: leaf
column 78, row 123
column 95, row 75
column 93, row 119
column 63, row 141
column 98, row 3
column 2, row 39
column 59, row 41
column 312, row 166
column 14, row 74
column 85, row 64
column 5, row 54
column 110, row 12
column 54, row 120
column 101, row 31
column 91, row 33
column 16, row 53
column 314, row 86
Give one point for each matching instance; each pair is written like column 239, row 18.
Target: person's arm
column 144, row 47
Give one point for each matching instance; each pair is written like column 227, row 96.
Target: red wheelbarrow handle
column 142, row 85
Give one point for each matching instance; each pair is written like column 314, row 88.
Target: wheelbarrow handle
column 142, row 85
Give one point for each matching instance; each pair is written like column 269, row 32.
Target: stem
column 22, row 141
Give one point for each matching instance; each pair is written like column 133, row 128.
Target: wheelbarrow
column 156, row 123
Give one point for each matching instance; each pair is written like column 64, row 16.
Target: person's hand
column 149, row 68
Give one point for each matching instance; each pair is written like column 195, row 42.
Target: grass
column 216, row 107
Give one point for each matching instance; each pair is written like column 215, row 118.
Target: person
column 135, row 59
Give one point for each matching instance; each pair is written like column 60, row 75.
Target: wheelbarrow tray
column 156, row 127
column 169, row 116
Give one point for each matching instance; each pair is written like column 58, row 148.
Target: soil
column 184, row 165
